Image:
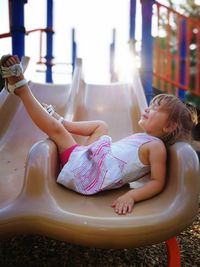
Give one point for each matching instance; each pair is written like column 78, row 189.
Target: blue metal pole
column 112, row 57
column 17, row 27
column 132, row 19
column 147, row 48
column 132, row 25
column 183, row 56
column 74, row 50
column 49, row 32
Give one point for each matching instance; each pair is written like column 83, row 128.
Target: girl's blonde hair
column 182, row 117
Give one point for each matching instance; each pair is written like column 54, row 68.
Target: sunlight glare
column 126, row 65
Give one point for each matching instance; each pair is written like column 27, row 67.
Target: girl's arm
column 157, row 160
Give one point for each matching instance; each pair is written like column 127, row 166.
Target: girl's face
column 154, row 121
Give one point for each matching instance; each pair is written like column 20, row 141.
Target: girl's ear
column 170, row 128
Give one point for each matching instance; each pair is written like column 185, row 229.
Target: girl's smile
column 154, row 121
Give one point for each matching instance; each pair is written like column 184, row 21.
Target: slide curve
column 32, row 202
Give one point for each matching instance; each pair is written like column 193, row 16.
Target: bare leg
column 40, row 117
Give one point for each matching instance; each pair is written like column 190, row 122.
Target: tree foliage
column 189, row 8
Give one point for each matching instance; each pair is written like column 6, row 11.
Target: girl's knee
column 56, row 129
column 103, row 126
column 61, row 136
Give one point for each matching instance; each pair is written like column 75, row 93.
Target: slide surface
column 32, row 202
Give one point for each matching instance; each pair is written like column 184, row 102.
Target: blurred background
column 95, row 24
column 112, row 37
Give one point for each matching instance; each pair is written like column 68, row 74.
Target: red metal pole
column 174, row 256
column 197, row 76
column 188, row 41
column 168, row 53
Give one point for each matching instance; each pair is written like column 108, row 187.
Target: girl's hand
column 123, row 204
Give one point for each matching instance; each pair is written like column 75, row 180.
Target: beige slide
column 32, row 202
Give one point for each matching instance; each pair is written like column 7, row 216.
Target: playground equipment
column 32, row 202
column 176, row 67
column 18, row 33
column 171, row 62
column 172, row 56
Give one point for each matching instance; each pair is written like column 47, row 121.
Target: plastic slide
column 32, row 202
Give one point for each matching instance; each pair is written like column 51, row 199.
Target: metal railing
column 176, row 61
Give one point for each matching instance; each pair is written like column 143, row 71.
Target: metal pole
column 132, row 23
column 147, row 48
column 49, row 32
column 132, row 19
column 74, row 50
column 112, row 57
column 17, row 27
column 183, row 57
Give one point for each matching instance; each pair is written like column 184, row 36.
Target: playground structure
column 180, row 52
column 32, row 202
column 170, row 60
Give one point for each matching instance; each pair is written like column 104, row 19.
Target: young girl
column 101, row 164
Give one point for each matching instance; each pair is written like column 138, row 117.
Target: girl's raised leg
column 38, row 114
